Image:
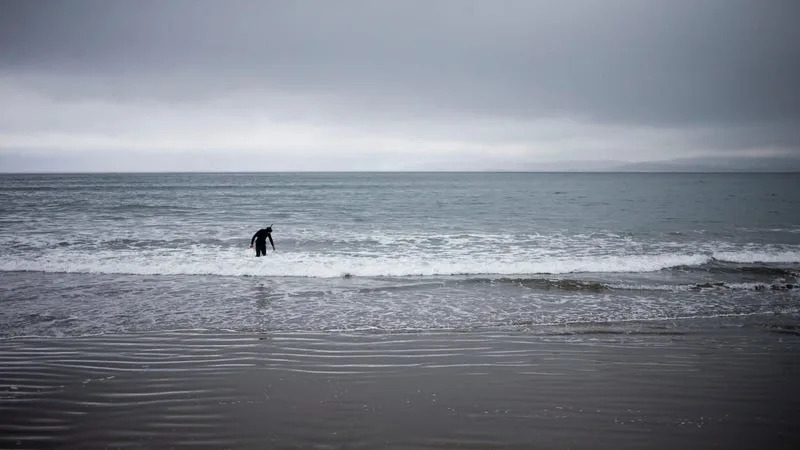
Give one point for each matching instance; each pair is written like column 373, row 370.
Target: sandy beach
column 645, row 385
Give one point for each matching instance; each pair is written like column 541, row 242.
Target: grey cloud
column 570, row 80
column 676, row 62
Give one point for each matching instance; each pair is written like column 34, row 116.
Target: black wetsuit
column 261, row 241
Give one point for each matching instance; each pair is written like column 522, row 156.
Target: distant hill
column 705, row 164
column 717, row 164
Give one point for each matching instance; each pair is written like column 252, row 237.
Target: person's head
column 269, row 229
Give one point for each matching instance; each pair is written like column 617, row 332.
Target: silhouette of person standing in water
column 261, row 241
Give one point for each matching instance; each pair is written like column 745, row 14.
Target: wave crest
column 227, row 261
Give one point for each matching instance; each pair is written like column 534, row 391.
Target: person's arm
column 270, row 242
column 253, row 239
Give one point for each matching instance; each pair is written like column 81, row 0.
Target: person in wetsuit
column 261, row 241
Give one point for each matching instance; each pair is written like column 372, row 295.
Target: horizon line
column 133, row 172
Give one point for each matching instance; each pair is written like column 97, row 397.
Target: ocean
column 108, row 253
column 400, row 310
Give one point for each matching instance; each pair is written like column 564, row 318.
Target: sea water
column 397, row 252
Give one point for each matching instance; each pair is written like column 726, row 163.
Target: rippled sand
column 734, row 388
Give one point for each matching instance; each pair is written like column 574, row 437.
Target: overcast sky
column 394, row 85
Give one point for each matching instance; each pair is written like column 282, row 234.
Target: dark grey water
column 108, row 253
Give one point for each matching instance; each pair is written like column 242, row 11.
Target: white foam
column 380, row 253
column 759, row 256
column 236, row 262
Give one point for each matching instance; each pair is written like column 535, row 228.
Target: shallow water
column 61, row 304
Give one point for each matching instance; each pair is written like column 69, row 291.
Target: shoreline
column 727, row 387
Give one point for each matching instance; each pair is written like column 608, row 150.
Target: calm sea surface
column 398, row 252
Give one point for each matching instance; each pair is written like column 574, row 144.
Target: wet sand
column 730, row 387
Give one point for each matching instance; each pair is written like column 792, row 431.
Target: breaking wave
column 240, row 262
